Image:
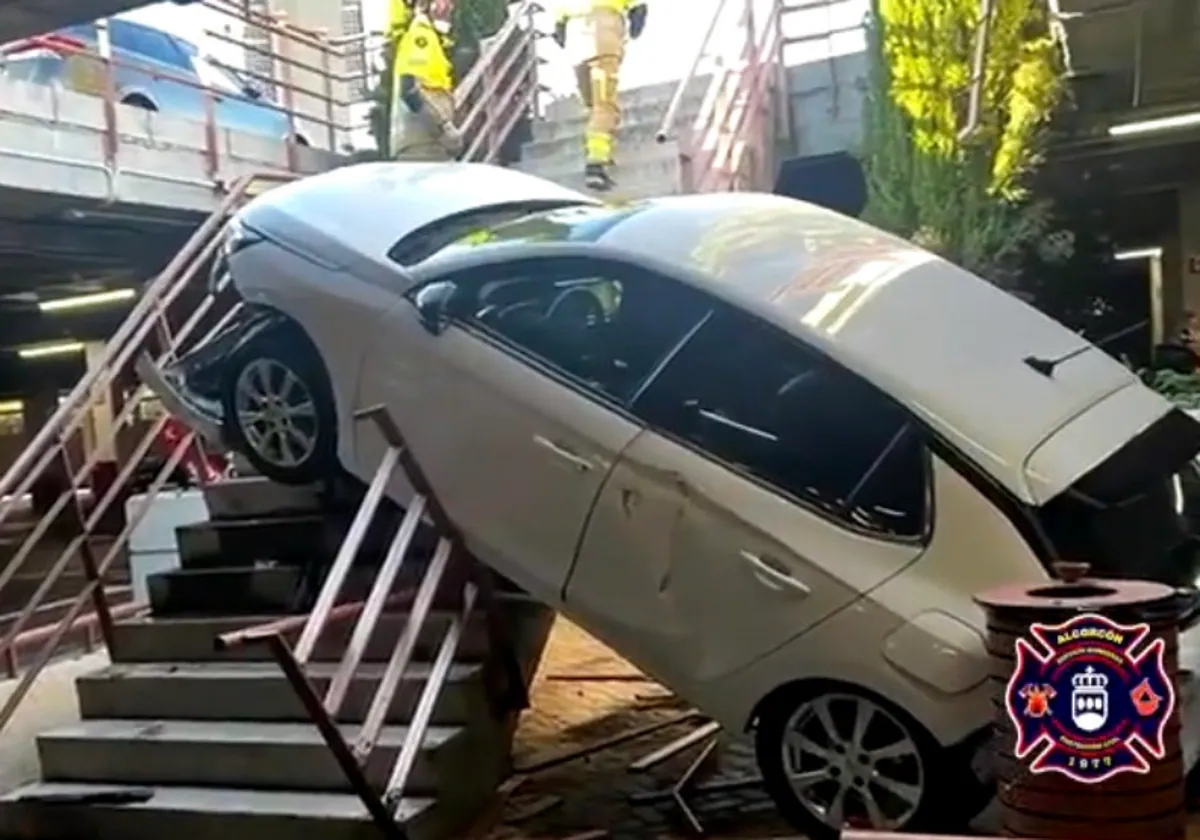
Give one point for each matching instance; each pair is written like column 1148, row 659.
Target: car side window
column 146, row 43
column 604, row 325
column 761, row 402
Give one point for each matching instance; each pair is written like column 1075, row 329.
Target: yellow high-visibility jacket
column 423, row 53
column 399, row 14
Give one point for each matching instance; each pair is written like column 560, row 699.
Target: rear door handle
column 558, row 450
column 771, row 576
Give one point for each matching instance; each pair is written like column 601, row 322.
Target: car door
column 516, row 411
column 769, row 491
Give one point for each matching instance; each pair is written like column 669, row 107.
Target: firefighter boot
column 596, row 177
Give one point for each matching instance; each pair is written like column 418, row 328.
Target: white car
column 763, row 450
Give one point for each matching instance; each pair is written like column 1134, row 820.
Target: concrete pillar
column 98, row 438
column 39, row 406
column 1187, row 247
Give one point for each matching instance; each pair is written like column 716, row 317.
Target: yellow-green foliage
column 960, row 194
column 929, row 46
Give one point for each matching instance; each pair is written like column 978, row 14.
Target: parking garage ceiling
column 1129, row 61
column 22, row 18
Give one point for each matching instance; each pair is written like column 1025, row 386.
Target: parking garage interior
column 1123, row 164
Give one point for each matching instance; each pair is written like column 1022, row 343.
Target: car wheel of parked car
column 837, row 758
column 279, row 410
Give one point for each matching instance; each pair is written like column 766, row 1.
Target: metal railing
column 730, row 145
column 176, row 311
column 384, row 805
column 306, row 68
column 172, row 314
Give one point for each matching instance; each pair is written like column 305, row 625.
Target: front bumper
column 190, row 387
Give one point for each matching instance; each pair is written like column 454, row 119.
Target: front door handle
column 771, row 576
column 577, row 461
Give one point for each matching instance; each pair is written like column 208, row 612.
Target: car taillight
column 55, row 43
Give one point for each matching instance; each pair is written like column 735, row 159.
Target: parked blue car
column 149, row 64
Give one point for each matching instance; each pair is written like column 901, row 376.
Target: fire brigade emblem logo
column 1089, row 700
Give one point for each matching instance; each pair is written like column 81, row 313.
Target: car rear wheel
column 838, row 758
column 278, row 408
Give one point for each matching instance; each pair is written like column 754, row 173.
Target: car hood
column 368, row 207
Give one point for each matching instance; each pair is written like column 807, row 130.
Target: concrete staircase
column 178, row 739
column 644, row 167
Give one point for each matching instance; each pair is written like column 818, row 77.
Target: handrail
column 382, row 806
column 733, row 115
column 671, row 114
column 736, row 115
column 148, row 327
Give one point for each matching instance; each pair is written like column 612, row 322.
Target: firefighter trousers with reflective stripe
column 597, row 78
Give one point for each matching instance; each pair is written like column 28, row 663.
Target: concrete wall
column 54, row 141
column 826, row 100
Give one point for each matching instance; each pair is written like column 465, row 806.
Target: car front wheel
column 279, row 409
column 842, row 758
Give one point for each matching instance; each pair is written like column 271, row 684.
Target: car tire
column 805, row 766
column 280, row 375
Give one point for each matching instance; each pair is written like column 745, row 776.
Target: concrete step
column 255, row 496
column 641, row 172
column 573, row 123
column 236, row 590
column 630, row 138
column 198, row 813
column 292, row 540
column 251, row 754
column 655, row 96
column 193, row 639
column 257, row 691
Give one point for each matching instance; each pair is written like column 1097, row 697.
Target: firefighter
column 422, row 107
column 609, row 21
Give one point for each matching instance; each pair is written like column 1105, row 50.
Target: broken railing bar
column 376, row 715
column 125, row 334
column 429, row 697
column 368, row 618
column 99, row 508
column 293, row 670
column 106, row 371
column 259, row 633
column 674, row 748
column 346, row 555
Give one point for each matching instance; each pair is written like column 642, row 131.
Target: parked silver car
column 765, row 451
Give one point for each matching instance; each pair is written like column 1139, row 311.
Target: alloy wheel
column 850, row 761
column 276, row 412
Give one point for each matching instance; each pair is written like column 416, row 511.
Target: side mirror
column 433, row 303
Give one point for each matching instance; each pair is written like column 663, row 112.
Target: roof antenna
column 1046, row 367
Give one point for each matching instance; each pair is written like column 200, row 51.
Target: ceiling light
column 12, row 406
column 1178, row 121
column 1138, row 254
column 41, row 351
column 86, row 301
